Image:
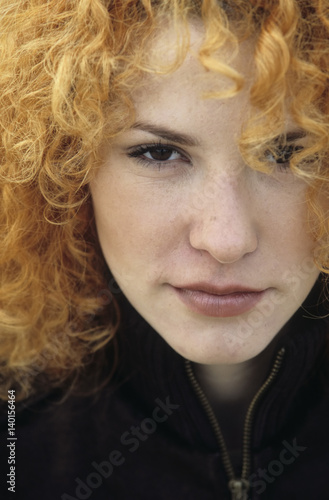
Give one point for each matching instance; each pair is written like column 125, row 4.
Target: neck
column 235, row 382
column 230, row 390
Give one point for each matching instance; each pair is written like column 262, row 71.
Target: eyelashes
column 282, row 155
column 159, row 155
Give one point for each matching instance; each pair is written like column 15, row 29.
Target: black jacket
column 147, row 436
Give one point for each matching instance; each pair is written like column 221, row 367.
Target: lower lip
column 219, row 306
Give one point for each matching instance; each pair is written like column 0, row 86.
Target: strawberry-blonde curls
column 67, row 69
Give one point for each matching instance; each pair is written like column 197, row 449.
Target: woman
column 164, row 188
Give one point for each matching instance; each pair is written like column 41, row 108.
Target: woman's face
column 214, row 255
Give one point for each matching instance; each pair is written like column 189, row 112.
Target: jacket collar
column 152, row 369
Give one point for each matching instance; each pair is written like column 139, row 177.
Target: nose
column 225, row 223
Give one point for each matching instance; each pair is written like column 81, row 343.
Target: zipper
column 238, row 486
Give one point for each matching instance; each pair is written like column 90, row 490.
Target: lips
column 221, row 302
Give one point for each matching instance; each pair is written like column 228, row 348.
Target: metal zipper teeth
column 246, row 454
column 212, row 419
column 248, row 423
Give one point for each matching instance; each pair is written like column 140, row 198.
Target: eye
column 158, row 155
column 282, row 155
column 162, row 154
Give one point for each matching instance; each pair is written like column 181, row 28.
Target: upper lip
column 218, row 290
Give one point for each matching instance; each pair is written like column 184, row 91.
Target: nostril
column 227, row 241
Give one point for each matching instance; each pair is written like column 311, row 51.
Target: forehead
column 186, row 58
column 178, row 97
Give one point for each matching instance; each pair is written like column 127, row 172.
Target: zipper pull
column 239, row 489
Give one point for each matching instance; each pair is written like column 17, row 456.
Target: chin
column 227, row 354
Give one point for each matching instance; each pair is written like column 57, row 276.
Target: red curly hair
column 66, row 72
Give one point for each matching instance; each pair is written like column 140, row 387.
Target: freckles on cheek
column 134, row 220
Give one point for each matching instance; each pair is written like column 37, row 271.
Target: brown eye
column 158, row 154
column 284, row 154
column 162, row 154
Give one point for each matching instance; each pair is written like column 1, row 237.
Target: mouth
column 209, row 300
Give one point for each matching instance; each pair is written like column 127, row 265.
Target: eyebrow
column 188, row 140
column 292, row 136
column 167, row 134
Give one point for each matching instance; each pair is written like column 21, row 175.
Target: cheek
column 293, row 247
column 136, row 223
column 287, row 213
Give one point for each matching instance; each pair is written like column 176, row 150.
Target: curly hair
column 66, row 72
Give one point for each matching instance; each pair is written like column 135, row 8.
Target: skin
column 203, row 215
